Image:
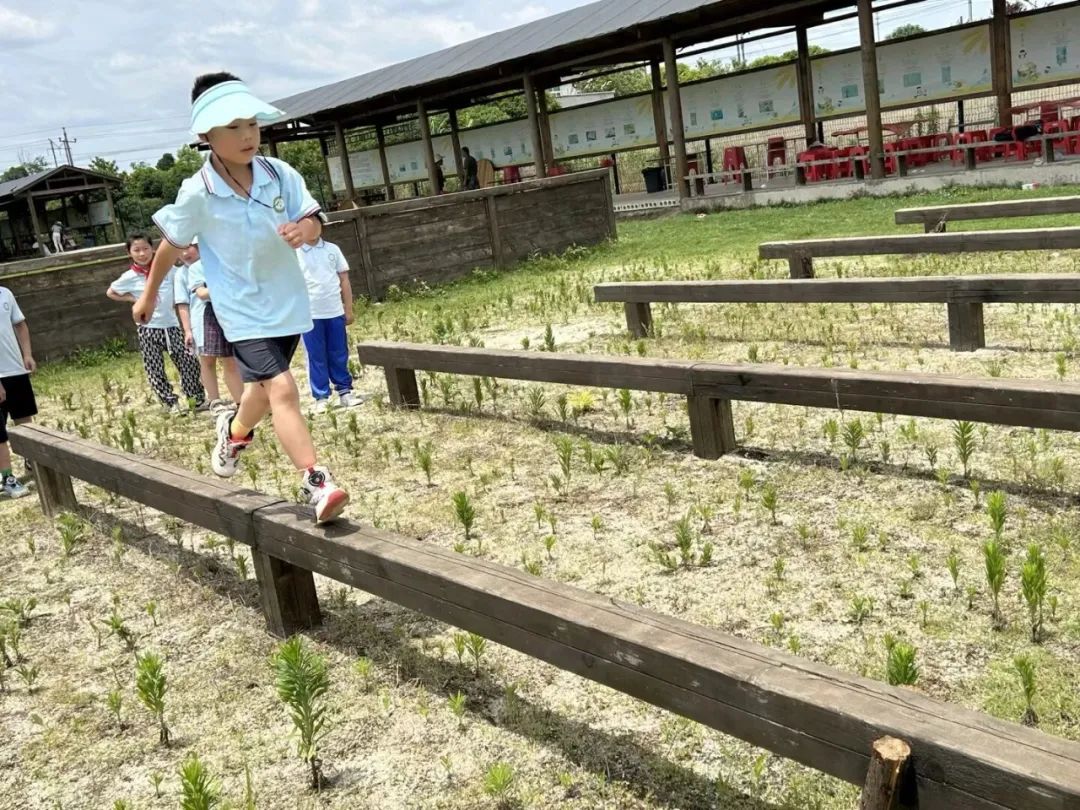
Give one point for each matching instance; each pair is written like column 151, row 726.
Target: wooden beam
column 638, row 318
column 1001, row 61
column 660, row 115
column 455, row 139
column 286, row 594
column 39, row 237
column 544, row 122
column 388, row 186
column 966, row 330
column 346, row 167
column 678, row 133
column 934, row 214
column 65, row 190
column 870, row 89
column 808, row 712
column 805, row 72
column 916, row 243
column 325, row 151
column 118, row 234
column 534, row 127
column 272, row 144
column 429, row 148
column 54, row 488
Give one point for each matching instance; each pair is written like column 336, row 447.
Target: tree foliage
column 24, row 169
column 909, row 30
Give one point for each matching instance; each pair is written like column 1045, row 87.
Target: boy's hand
column 143, row 309
column 29, row 363
column 293, row 233
column 349, row 317
column 189, row 340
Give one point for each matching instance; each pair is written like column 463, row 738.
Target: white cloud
column 18, row 28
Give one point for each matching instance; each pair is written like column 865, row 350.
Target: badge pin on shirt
column 279, row 204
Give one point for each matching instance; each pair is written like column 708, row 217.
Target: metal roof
column 576, row 27
column 12, row 187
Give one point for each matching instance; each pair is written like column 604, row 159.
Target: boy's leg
column 315, row 346
column 231, row 372
column 21, row 405
column 208, row 375
column 187, row 365
column 152, row 346
column 337, row 350
column 289, row 423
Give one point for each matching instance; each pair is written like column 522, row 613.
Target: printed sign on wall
column 1045, row 47
column 948, row 65
column 624, row 123
column 741, row 101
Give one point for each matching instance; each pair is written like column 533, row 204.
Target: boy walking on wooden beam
column 16, row 393
column 250, row 215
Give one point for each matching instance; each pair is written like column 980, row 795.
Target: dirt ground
column 857, row 551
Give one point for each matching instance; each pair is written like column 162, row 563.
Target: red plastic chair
column 1060, row 128
column 861, row 153
column 511, row 174
column 734, row 160
column 944, row 140
column 775, row 154
column 845, row 167
column 982, row 154
column 891, row 163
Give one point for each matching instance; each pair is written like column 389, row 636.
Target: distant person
column 472, row 177
column 16, row 394
column 440, row 176
column 327, row 346
column 160, row 332
column 40, row 246
column 58, row 236
column 202, row 332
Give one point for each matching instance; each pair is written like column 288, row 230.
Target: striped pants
column 154, row 343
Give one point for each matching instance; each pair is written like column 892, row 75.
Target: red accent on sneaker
column 334, row 505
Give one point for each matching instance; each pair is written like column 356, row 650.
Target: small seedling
column 498, row 780
column 115, row 701
column 997, row 511
column 924, row 612
column 465, row 513
column 854, row 436
column 564, row 449
column 457, row 706
column 476, row 645
column 302, row 683
column 769, row 500
column 151, row 611
column 72, row 530
column 860, row 535
column 549, row 545
column 1033, row 586
column 199, row 790
column 151, row 686
column 861, row 608
column 1025, row 668
column 156, row 778
column 901, row 669
column 994, row 559
column 425, row 459
column 29, row 675
column 626, row 404
column 964, row 441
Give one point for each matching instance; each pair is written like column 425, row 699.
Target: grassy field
column 834, row 535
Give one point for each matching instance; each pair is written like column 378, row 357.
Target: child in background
column 250, row 215
column 16, row 394
column 202, row 331
column 327, row 275
column 161, row 331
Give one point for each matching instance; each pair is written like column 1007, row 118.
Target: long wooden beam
column 794, row 707
column 943, row 214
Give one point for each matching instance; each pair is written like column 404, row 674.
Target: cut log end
column 884, row 778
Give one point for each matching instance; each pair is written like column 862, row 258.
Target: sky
column 118, row 75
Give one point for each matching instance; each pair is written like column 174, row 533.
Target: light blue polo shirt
column 188, row 279
column 164, row 316
column 255, row 278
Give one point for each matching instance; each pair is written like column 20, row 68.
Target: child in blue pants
column 327, row 347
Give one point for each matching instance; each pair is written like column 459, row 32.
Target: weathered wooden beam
column 429, row 148
column 1001, row 61
column 659, row 111
column 54, row 488
column 402, row 388
column 885, row 777
column 805, row 73
column 286, row 594
column 914, row 243
column 455, row 141
column 712, row 428
column 966, row 330
column 678, row 128
column 800, row 265
column 534, row 127
column 343, row 156
column 1004, row 209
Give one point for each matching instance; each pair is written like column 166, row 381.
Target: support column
column 270, row 142
column 534, row 127
column 455, row 139
column 1001, row 62
column 388, row 186
column 429, row 147
column 678, row 133
column 805, row 72
column 967, row 332
column 343, row 154
column 117, row 235
column 545, row 127
column 870, row 89
column 660, row 116
column 35, row 224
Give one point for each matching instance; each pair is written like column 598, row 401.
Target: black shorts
column 19, row 402
column 263, row 359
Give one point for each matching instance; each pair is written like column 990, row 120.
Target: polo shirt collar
column 308, row 248
column 262, row 173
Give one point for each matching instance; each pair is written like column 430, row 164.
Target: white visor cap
column 226, row 102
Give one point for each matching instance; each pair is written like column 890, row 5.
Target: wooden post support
column 401, row 385
column 860, row 168
column 1001, row 61
column 534, row 127
column 545, row 127
column 800, row 174
column 870, row 89
column 804, row 69
column 1048, row 149
column 901, row 165
column 638, row 318
column 429, row 148
column 929, row 226
column 54, row 490
column 495, row 234
column 455, row 140
column 712, row 428
column 969, row 159
column 388, row 185
column 678, row 130
column 272, row 144
column 966, row 330
column 118, row 235
column 885, row 777
column 39, row 236
column 343, row 156
column 287, row 595
column 801, row 266
column 660, row 116
column 747, row 180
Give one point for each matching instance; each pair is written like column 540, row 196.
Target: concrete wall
column 438, row 239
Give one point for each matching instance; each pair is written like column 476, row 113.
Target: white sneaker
column 349, row 400
column 321, row 406
column 14, row 488
column 226, row 453
column 327, row 497
column 218, row 407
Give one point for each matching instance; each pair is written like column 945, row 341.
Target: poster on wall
column 743, row 101
column 1046, row 47
column 947, row 65
column 624, row 123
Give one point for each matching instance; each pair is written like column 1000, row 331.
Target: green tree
column 24, row 169
column 909, row 30
column 166, row 162
column 103, row 166
column 306, row 157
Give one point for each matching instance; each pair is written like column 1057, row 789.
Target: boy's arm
column 183, row 312
column 122, row 297
column 346, row 297
column 165, row 257
column 22, row 334
column 202, row 293
column 304, row 212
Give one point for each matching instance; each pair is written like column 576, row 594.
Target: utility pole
column 52, row 146
column 971, row 11
column 67, row 142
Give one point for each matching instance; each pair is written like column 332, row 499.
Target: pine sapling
column 302, row 683
column 1025, row 668
column 997, row 510
column 199, row 790
column 465, row 513
column 1033, row 586
column 964, row 441
column 994, row 559
column 152, row 686
column 769, row 500
column 901, row 669
column 953, row 564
